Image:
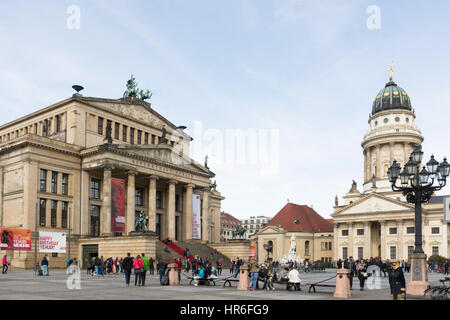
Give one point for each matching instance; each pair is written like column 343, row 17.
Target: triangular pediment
column 375, row 203
column 270, row 230
column 165, row 153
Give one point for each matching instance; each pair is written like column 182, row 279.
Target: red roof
column 307, row 219
column 227, row 220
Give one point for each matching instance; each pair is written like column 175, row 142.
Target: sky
column 296, row 77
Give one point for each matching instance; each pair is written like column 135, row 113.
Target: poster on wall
column 196, row 222
column 117, row 205
column 15, row 239
column 52, row 242
column 447, row 209
column 252, row 252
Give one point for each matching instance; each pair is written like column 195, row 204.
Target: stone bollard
column 342, row 284
column 243, row 278
column 173, row 274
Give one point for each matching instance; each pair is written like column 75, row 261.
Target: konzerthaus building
column 377, row 222
column 66, row 165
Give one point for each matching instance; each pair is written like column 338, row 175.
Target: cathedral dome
column 391, row 97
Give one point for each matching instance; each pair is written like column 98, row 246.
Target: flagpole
column 35, row 238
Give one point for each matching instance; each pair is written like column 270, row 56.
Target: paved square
column 22, row 285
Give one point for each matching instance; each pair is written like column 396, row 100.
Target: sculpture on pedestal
column 292, row 254
column 141, row 223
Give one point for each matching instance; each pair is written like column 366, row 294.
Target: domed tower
column 392, row 135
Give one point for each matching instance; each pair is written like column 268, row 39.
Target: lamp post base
column 418, row 277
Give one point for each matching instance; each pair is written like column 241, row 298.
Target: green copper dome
column 391, row 97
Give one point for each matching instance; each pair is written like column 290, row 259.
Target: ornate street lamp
column 418, row 187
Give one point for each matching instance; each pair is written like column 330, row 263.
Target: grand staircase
column 172, row 250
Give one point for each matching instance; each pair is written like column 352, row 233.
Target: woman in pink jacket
column 138, row 265
column 5, row 264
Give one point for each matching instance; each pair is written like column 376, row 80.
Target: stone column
column 400, row 255
column 379, row 170
column 383, row 240
column 391, row 153
column 205, row 215
column 105, row 215
column 188, row 211
column 444, row 232
column 84, row 205
column 1, row 195
column 365, row 166
column 131, row 200
column 368, row 244
column 335, row 242
column 171, row 211
column 152, row 203
column 405, row 150
column 350, row 239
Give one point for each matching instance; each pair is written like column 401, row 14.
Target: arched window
column 306, row 248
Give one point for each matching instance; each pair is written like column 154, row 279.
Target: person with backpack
column 44, row 264
column 127, row 265
column 138, row 266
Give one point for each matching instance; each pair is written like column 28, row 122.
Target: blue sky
column 309, row 69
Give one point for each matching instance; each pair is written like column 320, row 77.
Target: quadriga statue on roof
column 133, row 91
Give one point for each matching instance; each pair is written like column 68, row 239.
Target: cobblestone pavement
column 20, row 284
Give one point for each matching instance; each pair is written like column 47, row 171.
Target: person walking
column 178, row 262
column 151, row 265
column 117, row 265
column 253, row 267
column 350, row 264
column 397, row 282
column 362, row 274
column 219, row 266
column 101, row 266
column 138, row 266
column 5, row 264
column 144, row 269
column 44, row 264
column 127, row 265
column 446, row 267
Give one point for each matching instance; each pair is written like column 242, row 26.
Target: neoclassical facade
column 58, row 167
column 377, row 222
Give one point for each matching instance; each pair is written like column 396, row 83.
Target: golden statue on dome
column 391, row 71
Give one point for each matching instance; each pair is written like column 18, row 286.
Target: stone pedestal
column 342, row 284
column 418, row 276
column 243, row 278
column 173, row 275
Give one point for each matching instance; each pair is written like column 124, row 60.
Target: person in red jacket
column 138, row 265
column 178, row 262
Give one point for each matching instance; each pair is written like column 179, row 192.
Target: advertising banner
column 52, row 242
column 196, row 221
column 447, row 209
column 252, row 252
column 117, row 205
column 15, row 239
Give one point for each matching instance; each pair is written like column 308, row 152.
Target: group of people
column 440, row 267
column 267, row 273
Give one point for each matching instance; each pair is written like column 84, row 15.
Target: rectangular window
column 53, row 213
column 139, row 196
column 435, row 230
column 392, row 230
column 435, row 251
column 43, row 180
column 100, row 126
column 95, row 221
column 344, row 252
column 54, row 182
column 45, row 128
column 410, row 251
column 64, row 205
column 410, row 230
column 158, row 199
column 54, row 254
column 139, row 137
column 58, row 123
column 360, row 232
column 95, row 188
column 124, row 133
column 65, row 184
column 344, row 233
column 146, row 138
column 393, row 252
column 360, row 252
column 153, row 139
column 116, row 130
column 42, row 209
column 132, row 135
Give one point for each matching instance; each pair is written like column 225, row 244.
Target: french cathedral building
column 375, row 221
column 63, row 167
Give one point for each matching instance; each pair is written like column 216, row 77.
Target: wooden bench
column 312, row 286
column 229, row 281
column 204, row 280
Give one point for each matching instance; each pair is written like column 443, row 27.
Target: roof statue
column 108, row 137
column 163, row 139
column 206, row 162
column 354, row 187
column 336, row 201
column 374, row 184
column 134, row 92
column 391, row 71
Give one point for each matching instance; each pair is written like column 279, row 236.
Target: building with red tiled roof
column 313, row 235
column 227, row 223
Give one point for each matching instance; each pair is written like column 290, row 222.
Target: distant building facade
column 227, row 224
column 254, row 224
